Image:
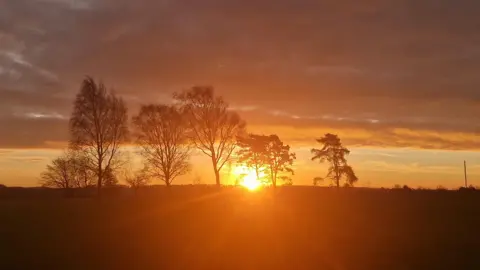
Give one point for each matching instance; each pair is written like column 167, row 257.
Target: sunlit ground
column 248, row 178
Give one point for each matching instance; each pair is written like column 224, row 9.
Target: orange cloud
column 388, row 137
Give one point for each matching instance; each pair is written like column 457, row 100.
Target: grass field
column 207, row 228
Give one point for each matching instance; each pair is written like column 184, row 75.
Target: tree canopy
column 98, row 126
column 161, row 132
column 266, row 154
column 213, row 128
column 335, row 154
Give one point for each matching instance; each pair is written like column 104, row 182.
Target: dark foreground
column 203, row 228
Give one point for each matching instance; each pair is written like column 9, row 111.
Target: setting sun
column 248, row 177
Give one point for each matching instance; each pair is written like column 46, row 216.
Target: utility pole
column 465, row 172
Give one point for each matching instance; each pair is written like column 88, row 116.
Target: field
column 206, row 228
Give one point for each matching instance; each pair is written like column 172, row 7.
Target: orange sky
column 375, row 167
column 397, row 80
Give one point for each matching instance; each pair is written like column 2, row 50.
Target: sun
column 248, row 178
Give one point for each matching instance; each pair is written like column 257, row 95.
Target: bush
column 469, row 188
column 3, row 186
column 441, row 188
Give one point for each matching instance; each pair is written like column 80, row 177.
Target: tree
column 136, row 179
column 59, row 174
column 68, row 171
column 334, row 153
column 252, row 152
column 197, row 180
column 161, row 133
column 317, row 180
column 266, row 153
column 213, row 127
column 109, row 178
column 98, row 126
column 83, row 173
column 279, row 158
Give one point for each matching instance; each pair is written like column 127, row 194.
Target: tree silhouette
column 67, row 171
column 98, row 125
column 109, row 178
column 334, row 153
column 279, row 159
column 161, row 133
column 213, row 127
column 59, row 174
column 266, row 153
column 136, row 179
column 84, row 174
column 252, row 152
column 317, row 180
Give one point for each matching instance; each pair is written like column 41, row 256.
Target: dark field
column 204, row 228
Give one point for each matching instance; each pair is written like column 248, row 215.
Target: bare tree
column 59, row 174
column 136, row 179
column 161, row 133
column 110, row 178
column 70, row 170
column 213, row 127
column 83, row 173
column 335, row 153
column 98, row 126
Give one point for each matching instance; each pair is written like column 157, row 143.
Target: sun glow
column 248, row 178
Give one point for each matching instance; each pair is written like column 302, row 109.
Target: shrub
column 469, row 188
column 440, row 187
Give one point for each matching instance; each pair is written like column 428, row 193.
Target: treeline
column 167, row 134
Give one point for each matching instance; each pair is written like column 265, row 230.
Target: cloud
column 412, row 168
column 382, row 138
column 377, row 67
column 72, row 4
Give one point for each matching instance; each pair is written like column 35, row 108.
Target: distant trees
column 161, row 132
column 266, row 154
column 166, row 135
column 335, row 154
column 213, row 127
column 317, row 180
column 98, row 126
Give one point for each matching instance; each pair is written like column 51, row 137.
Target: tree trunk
column 337, row 175
column 214, row 164
column 217, row 177
column 274, row 179
column 99, row 181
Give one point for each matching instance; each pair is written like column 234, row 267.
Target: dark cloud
column 373, row 64
column 27, row 132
